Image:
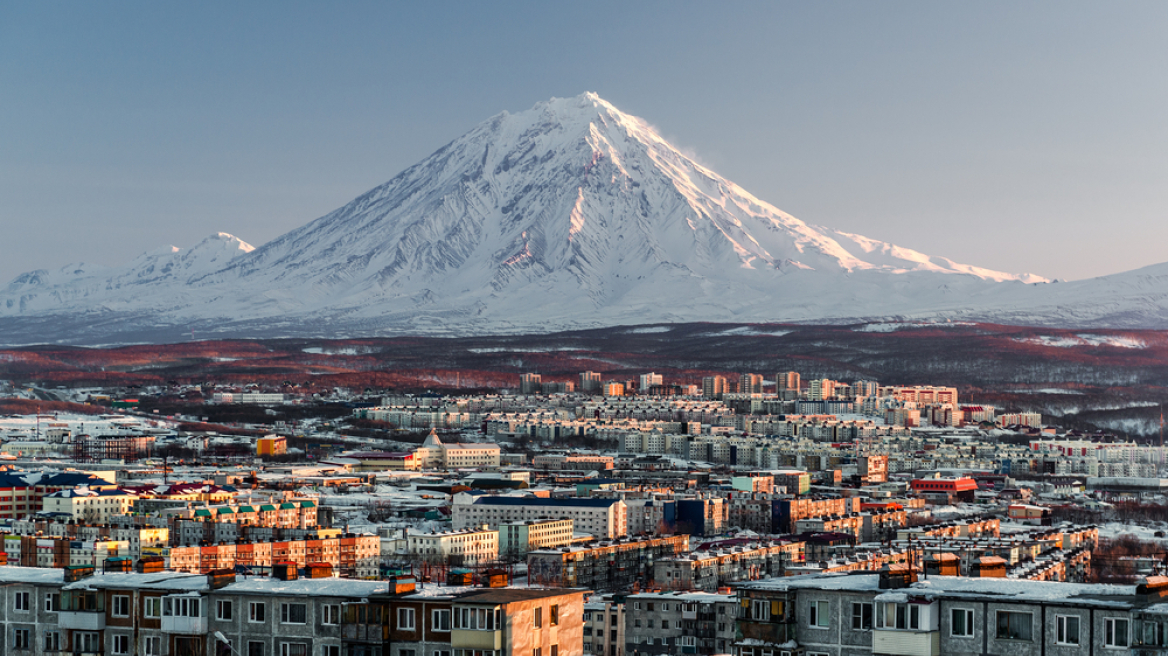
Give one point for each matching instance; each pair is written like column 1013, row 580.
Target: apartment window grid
column 256, row 612
column 20, row 602
column 121, row 644
column 152, row 646
column 223, row 610
column 330, row 614
column 21, row 639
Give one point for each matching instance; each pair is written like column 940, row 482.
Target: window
column 256, row 611
column 331, row 614
column 152, row 608
column 121, row 606
column 121, row 644
column 293, row 614
column 152, row 646
column 440, row 620
column 861, row 617
column 688, row 641
column 760, row 610
column 330, row 650
column 478, row 619
column 53, row 641
column 1013, row 626
column 555, row 650
column 293, row 649
column 892, row 616
column 554, row 616
column 405, row 619
column 1115, row 632
column 650, row 623
column 20, row 602
column 636, row 605
column 223, row 610
column 820, row 613
column 53, row 602
column 181, row 607
column 1066, row 629
column 537, row 651
column 21, row 638
column 665, row 624
column 255, row 649
column 665, row 607
column 914, row 617
column 86, row 641
column 538, row 621
column 961, row 623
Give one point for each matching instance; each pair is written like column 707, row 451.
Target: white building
column 604, row 518
column 456, row 547
column 89, row 505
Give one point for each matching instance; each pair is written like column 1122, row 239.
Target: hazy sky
column 1022, row 136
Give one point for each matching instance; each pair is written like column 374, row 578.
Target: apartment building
column 604, row 518
column 679, row 623
column 608, row 566
column 604, row 627
column 174, row 614
column 573, row 461
column 724, row 563
column 887, row 613
column 87, row 504
column 22, row 493
column 465, row 547
column 518, row 538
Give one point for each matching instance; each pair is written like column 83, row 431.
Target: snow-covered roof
column 1092, row 594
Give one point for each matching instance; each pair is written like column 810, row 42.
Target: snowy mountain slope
column 569, row 214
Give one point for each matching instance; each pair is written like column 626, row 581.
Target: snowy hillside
column 570, row 214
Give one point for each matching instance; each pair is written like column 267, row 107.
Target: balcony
column 81, row 620
column 184, row 625
column 469, row 639
column 906, row 643
column 372, row 633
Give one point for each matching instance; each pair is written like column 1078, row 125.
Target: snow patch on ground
column 1064, row 341
column 511, row 349
column 649, row 330
column 747, row 331
column 893, row 326
column 345, row 350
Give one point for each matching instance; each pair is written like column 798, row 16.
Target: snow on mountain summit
column 569, row 214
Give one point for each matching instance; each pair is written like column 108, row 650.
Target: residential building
column 679, row 623
column 604, row 518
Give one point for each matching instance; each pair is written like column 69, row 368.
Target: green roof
column 267, row 507
column 202, row 512
column 307, row 504
column 226, row 511
column 244, row 509
column 285, row 506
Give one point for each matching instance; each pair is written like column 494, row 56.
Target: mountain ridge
column 568, row 214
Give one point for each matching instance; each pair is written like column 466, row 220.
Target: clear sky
column 1021, row 136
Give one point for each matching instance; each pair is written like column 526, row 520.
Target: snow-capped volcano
column 570, row 214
